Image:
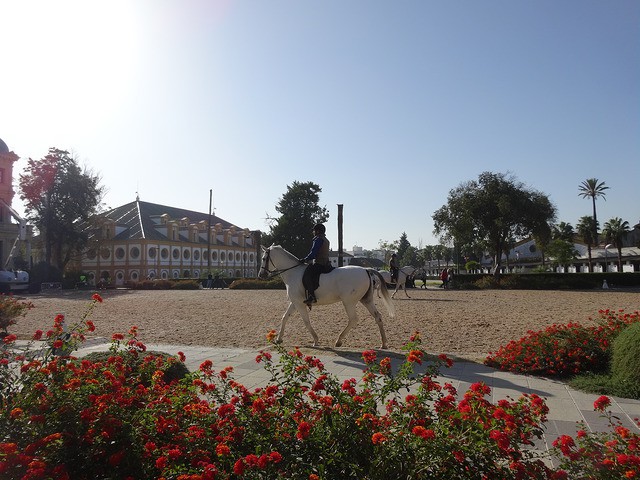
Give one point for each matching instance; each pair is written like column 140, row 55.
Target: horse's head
column 276, row 260
column 264, row 263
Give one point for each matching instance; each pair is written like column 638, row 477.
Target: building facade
column 14, row 235
column 142, row 240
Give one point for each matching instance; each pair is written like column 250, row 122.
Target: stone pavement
column 566, row 405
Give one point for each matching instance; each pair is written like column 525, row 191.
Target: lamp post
column 517, row 261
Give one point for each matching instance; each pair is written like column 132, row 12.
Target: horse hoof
column 383, row 347
column 338, row 344
column 278, row 341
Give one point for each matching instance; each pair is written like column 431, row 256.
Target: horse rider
column 393, row 267
column 319, row 256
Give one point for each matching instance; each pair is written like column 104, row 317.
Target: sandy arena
column 465, row 324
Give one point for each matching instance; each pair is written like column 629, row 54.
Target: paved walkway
column 566, row 405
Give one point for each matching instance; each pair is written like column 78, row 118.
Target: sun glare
column 68, row 58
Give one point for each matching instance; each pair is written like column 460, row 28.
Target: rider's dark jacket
column 319, row 251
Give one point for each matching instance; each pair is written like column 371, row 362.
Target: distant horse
column 348, row 285
column 403, row 273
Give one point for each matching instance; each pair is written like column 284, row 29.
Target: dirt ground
column 465, row 324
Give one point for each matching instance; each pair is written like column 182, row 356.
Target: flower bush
column 68, row 418
column 562, row 350
column 10, row 309
column 600, row 455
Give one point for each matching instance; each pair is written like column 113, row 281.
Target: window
column 175, row 254
column 186, row 254
column 164, row 253
column 105, row 253
column 135, row 252
column 119, row 253
column 153, row 252
column 196, row 255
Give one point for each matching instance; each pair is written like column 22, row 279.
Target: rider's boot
column 311, row 299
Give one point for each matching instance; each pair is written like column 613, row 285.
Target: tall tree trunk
column 595, row 221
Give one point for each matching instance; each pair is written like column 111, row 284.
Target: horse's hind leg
column 353, row 319
column 378, row 318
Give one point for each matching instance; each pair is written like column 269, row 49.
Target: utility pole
column 209, row 233
column 340, row 258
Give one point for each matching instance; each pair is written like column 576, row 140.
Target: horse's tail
column 375, row 276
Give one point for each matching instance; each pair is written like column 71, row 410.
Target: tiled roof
column 138, row 219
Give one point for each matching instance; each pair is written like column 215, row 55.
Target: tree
column 593, row 188
column 403, row 245
column 388, row 248
column 410, row 257
column 586, row 229
column 562, row 251
column 492, row 210
column 299, row 212
column 563, row 231
column 615, row 231
column 59, row 198
column 542, row 236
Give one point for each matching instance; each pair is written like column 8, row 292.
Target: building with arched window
column 142, row 240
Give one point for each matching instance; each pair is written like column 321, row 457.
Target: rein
column 276, row 272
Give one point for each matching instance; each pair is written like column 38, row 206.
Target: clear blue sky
column 387, row 105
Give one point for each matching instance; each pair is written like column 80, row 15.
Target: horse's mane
column 280, row 247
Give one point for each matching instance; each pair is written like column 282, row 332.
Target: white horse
column 348, row 285
column 403, row 273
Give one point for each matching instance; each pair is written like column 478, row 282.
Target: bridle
column 273, row 273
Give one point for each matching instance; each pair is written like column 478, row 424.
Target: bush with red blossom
column 566, row 349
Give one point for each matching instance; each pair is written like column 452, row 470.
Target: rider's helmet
column 319, row 228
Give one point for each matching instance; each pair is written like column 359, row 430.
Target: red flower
column 238, row 468
column 222, row 450
column 90, row 326
column 97, row 297
column 378, row 438
column 10, row 339
column 161, row 463
column 38, row 335
column 424, row 433
column 601, row 403
column 369, row 356
column 181, row 356
column 304, row 428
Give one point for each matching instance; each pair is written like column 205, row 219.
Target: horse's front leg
column 283, row 322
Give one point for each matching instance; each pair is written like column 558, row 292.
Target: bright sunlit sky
column 386, row 105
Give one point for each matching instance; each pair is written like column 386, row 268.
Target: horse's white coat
column 403, row 273
column 348, row 285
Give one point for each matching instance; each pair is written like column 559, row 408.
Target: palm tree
column 615, row 231
column 593, row 188
column 585, row 229
column 562, row 231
